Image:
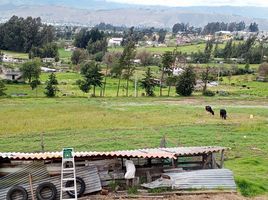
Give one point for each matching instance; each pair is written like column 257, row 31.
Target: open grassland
column 128, row 123
column 191, row 48
column 16, row 54
column 65, row 55
column 239, row 87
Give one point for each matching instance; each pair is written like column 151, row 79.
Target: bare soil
column 175, row 197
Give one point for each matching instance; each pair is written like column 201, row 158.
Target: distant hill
column 122, row 14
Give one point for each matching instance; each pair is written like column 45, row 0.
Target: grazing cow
column 209, row 109
column 223, row 113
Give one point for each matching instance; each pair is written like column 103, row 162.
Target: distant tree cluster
column 19, row 34
column 248, row 51
column 92, row 77
column 49, row 50
column 214, row 27
column 253, row 27
column 142, row 34
column 94, row 41
column 109, row 27
column 203, row 57
column 185, row 28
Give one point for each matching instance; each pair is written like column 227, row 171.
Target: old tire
column 42, row 187
column 80, row 192
column 18, row 189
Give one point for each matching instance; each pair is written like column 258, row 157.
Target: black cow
column 223, row 113
column 209, row 109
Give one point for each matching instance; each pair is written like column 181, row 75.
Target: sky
column 196, row 2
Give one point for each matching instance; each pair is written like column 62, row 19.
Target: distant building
column 177, row 71
column 11, row 74
column 48, row 60
column 209, row 37
column 115, row 42
column 46, row 69
column 9, row 59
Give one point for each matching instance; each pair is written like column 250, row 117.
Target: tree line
column 251, row 51
column 21, row 35
column 213, row 27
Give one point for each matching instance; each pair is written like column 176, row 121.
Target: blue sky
column 196, row 2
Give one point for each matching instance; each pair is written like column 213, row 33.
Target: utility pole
column 136, row 87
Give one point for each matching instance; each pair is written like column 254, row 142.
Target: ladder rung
column 68, row 179
column 68, row 160
column 68, row 189
column 68, row 169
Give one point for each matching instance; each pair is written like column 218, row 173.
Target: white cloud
column 196, row 2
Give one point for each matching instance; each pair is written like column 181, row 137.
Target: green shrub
column 223, row 93
column 132, row 190
column 160, row 190
column 209, row 93
column 113, row 185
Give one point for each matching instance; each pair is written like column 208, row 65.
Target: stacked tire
column 17, row 191
column 82, row 188
column 46, row 190
column 42, row 188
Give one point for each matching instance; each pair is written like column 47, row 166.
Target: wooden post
column 213, row 161
column 222, row 159
column 149, row 162
column 122, row 162
column 148, row 177
column 31, row 185
column 42, row 142
column 173, row 163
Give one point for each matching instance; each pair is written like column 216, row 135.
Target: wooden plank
column 222, row 159
column 213, row 161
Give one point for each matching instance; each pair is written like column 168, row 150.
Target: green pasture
column 160, row 50
column 16, row 54
column 239, row 87
column 104, row 124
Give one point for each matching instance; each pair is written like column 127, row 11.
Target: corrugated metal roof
column 139, row 153
column 199, row 179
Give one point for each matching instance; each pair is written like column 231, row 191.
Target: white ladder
column 68, row 173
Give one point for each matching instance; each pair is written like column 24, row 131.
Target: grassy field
column 240, row 87
column 16, row 54
column 160, row 50
column 65, row 55
column 128, row 123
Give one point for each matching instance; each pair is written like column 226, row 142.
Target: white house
column 8, row 59
column 115, row 42
column 46, row 69
column 48, row 60
column 177, row 71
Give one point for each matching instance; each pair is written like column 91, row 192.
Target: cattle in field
column 209, row 109
column 223, row 114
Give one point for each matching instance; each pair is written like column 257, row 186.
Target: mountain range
column 91, row 12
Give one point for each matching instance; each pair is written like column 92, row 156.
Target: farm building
column 201, row 166
column 115, row 42
column 11, row 74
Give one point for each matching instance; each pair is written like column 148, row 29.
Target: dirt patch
column 175, row 197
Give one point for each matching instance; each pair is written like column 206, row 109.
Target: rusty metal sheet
column 139, row 153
